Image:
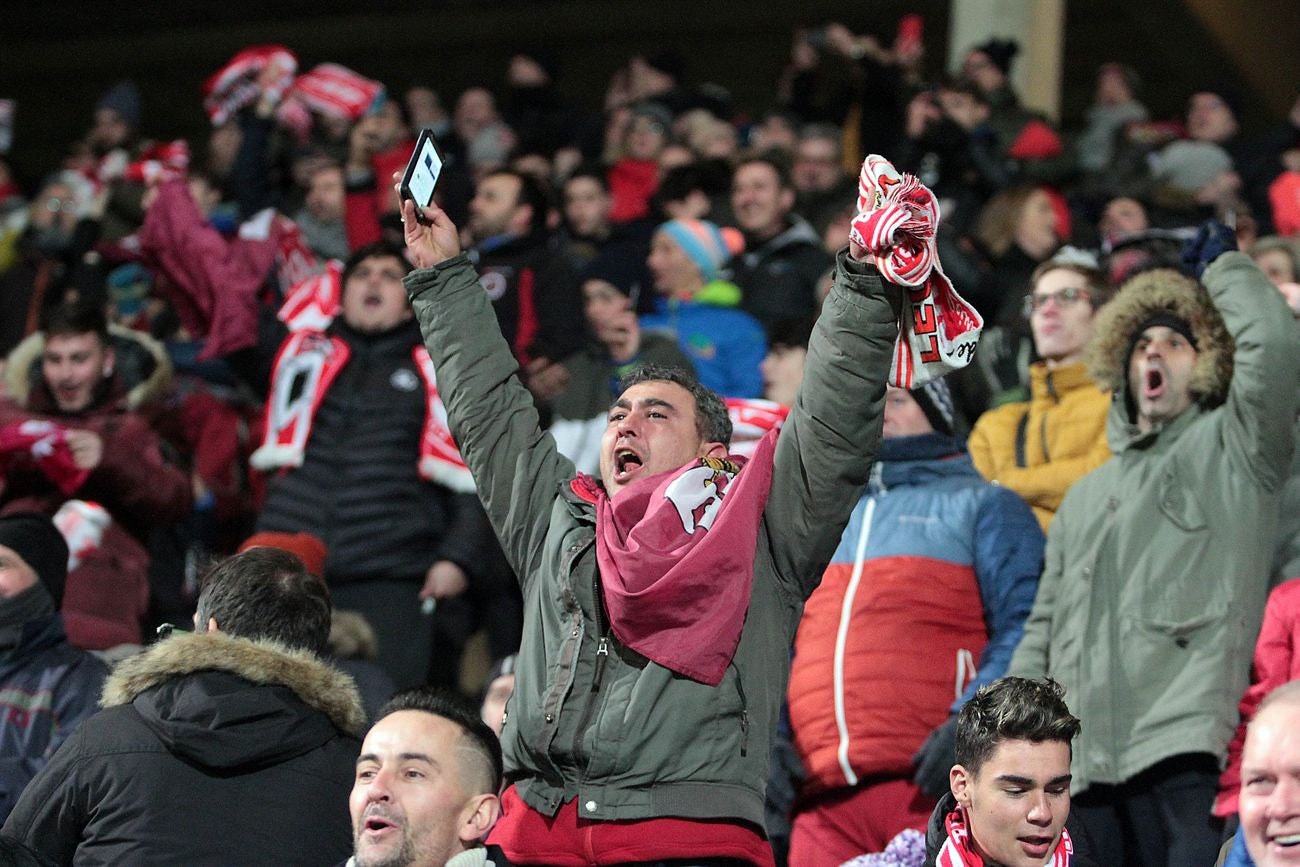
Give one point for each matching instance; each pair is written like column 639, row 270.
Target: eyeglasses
column 1066, row 297
column 54, row 204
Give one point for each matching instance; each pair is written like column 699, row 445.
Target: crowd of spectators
column 207, row 347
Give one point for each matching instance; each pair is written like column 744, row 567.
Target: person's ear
column 960, row 783
column 480, row 814
column 787, row 198
column 713, row 450
column 110, row 360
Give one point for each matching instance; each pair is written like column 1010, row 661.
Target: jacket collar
column 264, row 662
column 1049, row 385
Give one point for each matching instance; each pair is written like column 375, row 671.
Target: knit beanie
column 306, row 547
column 123, row 98
column 34, row 537
column 1001, row 51
column 619, row 266
column 935, row 400
column 704, row 244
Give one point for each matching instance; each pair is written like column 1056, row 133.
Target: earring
column 108, row 371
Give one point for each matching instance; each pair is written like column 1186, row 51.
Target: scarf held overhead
column 676, row 560
column 307, row 365
column 958, row 851
column 897, row 220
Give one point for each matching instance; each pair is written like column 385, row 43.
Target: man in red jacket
column 77, row 438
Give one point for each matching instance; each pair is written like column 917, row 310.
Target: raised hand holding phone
column 422, row 173
column 437, row 240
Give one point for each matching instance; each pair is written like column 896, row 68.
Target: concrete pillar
column 1039, row 27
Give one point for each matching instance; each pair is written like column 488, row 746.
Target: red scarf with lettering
column 957, row 850
column 676, row 558
column 897, row 221
column 307, row 365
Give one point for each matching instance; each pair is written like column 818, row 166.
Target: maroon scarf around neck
column 676, row 558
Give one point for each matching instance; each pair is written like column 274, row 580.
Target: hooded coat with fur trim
column 108, row 593
column 210, row 750
column 1159, row 561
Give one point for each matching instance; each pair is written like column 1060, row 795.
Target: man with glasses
column 1040, row 447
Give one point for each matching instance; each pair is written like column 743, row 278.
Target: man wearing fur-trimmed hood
column 233, row 745
column 1158, row 562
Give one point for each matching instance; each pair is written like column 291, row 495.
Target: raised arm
column 491, row 415
column 832, row 435
column 1262, row 399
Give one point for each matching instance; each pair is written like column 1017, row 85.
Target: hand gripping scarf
column 897, row 220
column 957, row 851
column 676, row 559
column 45, row 443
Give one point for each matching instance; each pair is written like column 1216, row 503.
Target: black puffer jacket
column 359, row 489
column 210, row 750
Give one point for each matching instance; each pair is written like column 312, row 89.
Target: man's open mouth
column 1286, row 841
column 377, row 824
column 1154, row 383
column 1036, row 845
column 626, row 461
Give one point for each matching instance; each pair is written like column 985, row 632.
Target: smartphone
column 422, row 173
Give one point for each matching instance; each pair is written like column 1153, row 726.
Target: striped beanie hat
column 708, row 246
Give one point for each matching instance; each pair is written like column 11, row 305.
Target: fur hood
column 1152, row 292
column 327, row 690
column 144, row 370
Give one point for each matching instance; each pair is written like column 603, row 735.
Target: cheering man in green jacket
column 1157, row 563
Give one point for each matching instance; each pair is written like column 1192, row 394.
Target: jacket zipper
column 744, row 713
column 602, row 656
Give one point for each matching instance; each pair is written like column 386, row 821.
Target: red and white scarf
column 240, row 82
column 897, row 220
column 306, row 366
column 336, row 91
column 751, row 419
column 167, row 161
column 45, row 443
column 957, row 850
column 676, row 558
column 312, row 304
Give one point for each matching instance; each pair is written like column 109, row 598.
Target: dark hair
column 777, row 159
column 794, row 333
column 77, row 317
column 1012, row 708
column 589, row 170
column 476, row 735
column 376, row 249
column 711, row 418
column 531, row 192
column 267, row 593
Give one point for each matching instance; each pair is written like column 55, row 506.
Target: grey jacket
column 1158, row 562
column 644, row 742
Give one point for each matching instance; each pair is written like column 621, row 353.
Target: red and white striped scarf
column 336, row 91
column 167, row 161
column 240, row 82
column 897, row 220
column 308, row 363
column 958, row 852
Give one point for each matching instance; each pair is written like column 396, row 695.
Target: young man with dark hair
column 1010, row 788
column 83, row 409
column 266, row 594
column 425, row 792
column 232, row 745
column 661, row 598
column 530, row 280
column 783, row 257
